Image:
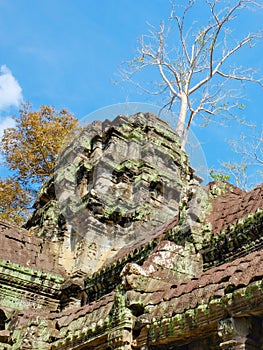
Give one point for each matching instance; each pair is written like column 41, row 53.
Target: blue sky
column 67, row 54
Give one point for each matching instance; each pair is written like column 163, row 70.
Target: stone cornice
column 32, row 285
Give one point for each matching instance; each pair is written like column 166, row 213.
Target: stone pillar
column 120, row 336
column 120, row 339
column 240, row 333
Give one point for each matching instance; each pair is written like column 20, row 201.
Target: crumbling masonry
column 126, row 250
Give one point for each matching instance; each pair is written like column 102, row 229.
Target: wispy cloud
column 10, row 90
column 6, row 123
column 10, row 97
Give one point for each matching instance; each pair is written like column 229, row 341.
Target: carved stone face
column 117, row 181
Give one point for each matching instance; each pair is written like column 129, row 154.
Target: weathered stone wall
column 113, row 184
column 27, row 250
column 30, row 278
column 127, row 251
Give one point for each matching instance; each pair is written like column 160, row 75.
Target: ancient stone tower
column 127, row 251
column 113, row 184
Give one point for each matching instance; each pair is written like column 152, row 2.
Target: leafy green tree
column 218, row 176
column 30, row 150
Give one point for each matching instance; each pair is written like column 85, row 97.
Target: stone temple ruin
column 126, row 250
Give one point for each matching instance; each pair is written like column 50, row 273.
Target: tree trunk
column 180, row 127
column 184, row 138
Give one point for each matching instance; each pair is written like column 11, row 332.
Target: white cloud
column 10, row 90
column 6, row 123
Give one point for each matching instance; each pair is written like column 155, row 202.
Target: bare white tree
column 193, row 61
column 249, row 148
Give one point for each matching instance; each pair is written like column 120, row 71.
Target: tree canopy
column 191, row 60
column 30, row 150
column 247, row 171
column 14, row 201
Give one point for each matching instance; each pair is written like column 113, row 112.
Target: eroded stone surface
column 189, row 280
column 113, row 184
